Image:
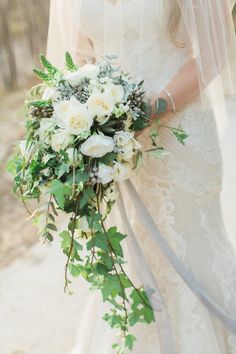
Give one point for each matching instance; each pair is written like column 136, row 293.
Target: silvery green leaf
column 157, row 153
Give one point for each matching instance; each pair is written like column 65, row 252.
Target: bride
column 177, row 243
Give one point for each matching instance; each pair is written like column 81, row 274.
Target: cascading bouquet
column 80, row 143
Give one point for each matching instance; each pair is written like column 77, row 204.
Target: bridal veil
column 210, row 30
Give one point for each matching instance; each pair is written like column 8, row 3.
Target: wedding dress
column 181, row 191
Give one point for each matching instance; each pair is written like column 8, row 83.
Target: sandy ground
column 36, row 317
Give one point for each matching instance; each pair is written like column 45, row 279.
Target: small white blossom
column 105, row 173
column 111, row 193
column 116, row 91
column 88, row 71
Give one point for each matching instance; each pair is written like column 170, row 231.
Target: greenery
column 70, row 181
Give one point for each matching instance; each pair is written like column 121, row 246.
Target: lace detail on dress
column 181, row 191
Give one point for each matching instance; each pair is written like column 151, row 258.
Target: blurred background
column 31, row 321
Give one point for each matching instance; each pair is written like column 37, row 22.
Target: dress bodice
column 137, row 31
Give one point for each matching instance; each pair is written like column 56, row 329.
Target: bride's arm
column 214, row 37
column 184, row 87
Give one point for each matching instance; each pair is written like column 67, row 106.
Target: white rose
column 73, row 116
column 79, row 120
column 88, row 71
column 101, row 106
column 121, row 171
column 60, row 141
column 97, row 145
column 116, row 91
column 105, row 173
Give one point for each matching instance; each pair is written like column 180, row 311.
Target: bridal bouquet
column 80, row 143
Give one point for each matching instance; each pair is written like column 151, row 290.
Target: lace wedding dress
column 182, row 193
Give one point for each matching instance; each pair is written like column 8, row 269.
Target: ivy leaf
column 111, row 287
column 74, row 270
column 115, row 239
column 64, row 168
column 129, row 341
column 180, row 134
column 99, row 241
column 81, row 176
column 106, row 159
column 87, row 194
column 66, row 240
column 60, row 191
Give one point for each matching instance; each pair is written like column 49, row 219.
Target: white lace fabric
column 181, row 191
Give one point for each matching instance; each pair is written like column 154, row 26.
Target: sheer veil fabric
column 207, row 29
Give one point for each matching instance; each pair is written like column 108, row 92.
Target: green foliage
column 87, row 195
column 40, row 103
column 52, row 70
column 70, row 181
column 60, row 191
column 108, row 158
column 69, row 64
column 180, row 134
column 160, row 106
column 51, row 73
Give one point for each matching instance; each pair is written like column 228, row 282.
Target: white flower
column 116, row 91
column 101, row 105
column 50, row 93
column 88, row 71
column 73, row 116
column 126, row 145
column 105, row 173
column 61, row 110
column 97, row 145
column 121, row 138
column 60, row 141
column 121, row 171
column 111, row 193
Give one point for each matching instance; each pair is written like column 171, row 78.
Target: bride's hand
column 154, row 115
